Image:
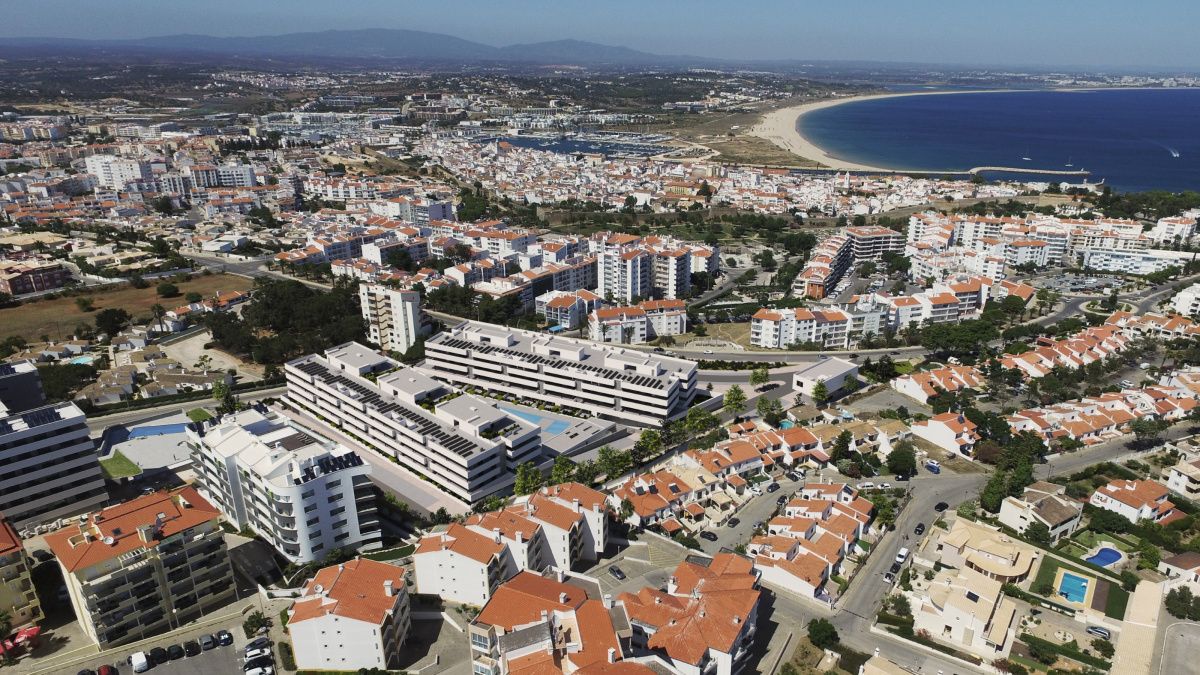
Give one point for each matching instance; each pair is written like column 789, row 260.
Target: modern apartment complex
column 638, row 324
column 304, row 495
column 144, row 567
column 393, row 316
column 465, row 445
column 351, row 616
column 18, row 598
column 48, row 465
column 20, row 387
column 610, row 382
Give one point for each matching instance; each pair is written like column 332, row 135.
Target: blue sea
column 1134, row 139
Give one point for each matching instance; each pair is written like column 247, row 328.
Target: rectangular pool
column 1073, row 587
column 157, row 430
column 554, row 428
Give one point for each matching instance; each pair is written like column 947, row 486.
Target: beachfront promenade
column 1018, row 169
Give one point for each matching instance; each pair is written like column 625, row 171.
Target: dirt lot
column 737, row 333
column 189, row 350
column 57, row 318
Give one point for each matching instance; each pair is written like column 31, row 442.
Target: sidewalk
column 1135, row 647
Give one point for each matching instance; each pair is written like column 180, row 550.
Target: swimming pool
column 1105, row 557
column 555, row 427
column 786, row 424
column 157, row 430
column 85, row 360
column 1073, row 587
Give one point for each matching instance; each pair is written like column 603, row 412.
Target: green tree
column 528, row 479
column 734, row 401
column 193, row 297
column 820, row 393
column 822, row 634
column 110, row 321
column 85, row 303
column 902, row 460
column 226, row 401
column 649, row 444
column 770, row 410
column 626, row 509
column 1038, row 533
column 994, row 492
column 699, row 420
column 1104, row 648
column 760, row 376
column 1146, row 429
column 563, row 471
column 613, row 463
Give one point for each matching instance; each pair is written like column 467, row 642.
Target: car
column 894, row 353
column 175, row 652
column 732, row 522
column 920, row 529
column 708, row 351
column 140, row 662
column 866, row 486
column 659, row 350
column 940, row 506
column 772, row 487
column 854, row 356
column 43, row 555
column 616, row 572
column 709, row 535
column 783, row 499
column 889, row 577
column 191, row 648
column 106, row 670
column 224, row 638
column 261, row 670
column 207, row 642
column 902, row 555
column 901, row 477
column 755, row 490
column 257, row 643
column 894, row 568
column 1099, row 632
column 86, row 671
column 758, row 524
column 260, row 662
column 885, row 486
column 158, row 656
column 258, row 653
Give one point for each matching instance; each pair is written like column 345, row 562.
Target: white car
column 265, row 670
column 885, row 486
column 257, row 653
column 139, row 662
column 902, row 555
column 866, row 486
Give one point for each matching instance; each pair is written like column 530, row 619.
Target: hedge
column 1064, row 650
column 890, row 619
column 286, row 656
column 1036, row 600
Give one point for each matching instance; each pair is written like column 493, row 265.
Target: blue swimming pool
column 786, row 424
column 1105, row 557
column 157, row 430
column 1073, row 587
column 554, row 428
column 85, row 360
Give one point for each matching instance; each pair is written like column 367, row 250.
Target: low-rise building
column 351, row 616
column 18, row 597
column 968, row 610
column 1137, row 500
column 1044, row 503
column 834, row 373
column 462, row 565
column 141, row 568
column 1184, row 479
column 986, row 550
column 951, row 432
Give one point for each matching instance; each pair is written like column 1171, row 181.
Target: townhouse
column 304, row 495
column 351, row 616
column 143, row 567
column 1044, row 503
column 951, row 432
column 609, row 382
column 1137, row 500
column 465, row 445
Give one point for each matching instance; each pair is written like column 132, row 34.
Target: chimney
column 608, row 601
column 612, row 655
column 387, row 588
column 496, row 534
column 702, row 614
column 736, row 619
column 545, row 614
column 560, row 576
column 520, row 537
column 578, row 506
column 562, row 598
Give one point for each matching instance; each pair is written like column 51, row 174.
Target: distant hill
column 366, row 44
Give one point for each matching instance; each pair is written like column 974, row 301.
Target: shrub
column 822, row 633
column 286, row 656
column 254, row 622
column 1104, row 648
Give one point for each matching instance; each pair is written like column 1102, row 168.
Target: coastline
column 780, row 127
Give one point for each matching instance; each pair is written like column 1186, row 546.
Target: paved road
column 98, row 423
column 1179, row 648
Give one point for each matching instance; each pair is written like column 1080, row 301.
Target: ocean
column 1133, row 139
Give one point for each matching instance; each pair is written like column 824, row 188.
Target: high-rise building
column 20, row 387
column 114, row 173
column 304, row 495
column 393, row 316
column 145, row 567
column 48, row 465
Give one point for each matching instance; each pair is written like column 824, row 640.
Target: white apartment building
column 1187, row 301
column 465, row 445
column 638, row 324
column 951, row 432
column 610, row 382
column 1146, row 261
column 1044, row 503
column 1137, row 500
column 1184, row 479
column 568, row 309
column 461, row 565
column 351, row 616
column 48, row 465
column 418, row 211
column 141, row 568
column 780, row 328
column 625, row 276
column 114, row 173
column 305, row 496
column 968, row 610
column 1026, row 252
column 871, row 242
column 673, row 273
column 393, row 316
column 1175, row 230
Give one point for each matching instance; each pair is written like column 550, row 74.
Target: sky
column 1096, row 33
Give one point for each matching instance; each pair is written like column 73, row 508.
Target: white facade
column 1135, row 261
column 303, row 496
column 114, row 173
column 833, row 372
column 951, row 432
column 624, row 276
column 1187, row 301
column 393, row 316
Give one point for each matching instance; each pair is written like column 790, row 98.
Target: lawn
column 737, row 333
column 1114, row 606
column 392, row 553
column 199, row 415
column 119, row 466
column 1088, row 540
column 905, row 367
column 57, row 318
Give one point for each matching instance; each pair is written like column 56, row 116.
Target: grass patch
column 1088, row 540
column 905, row 367
column 391, row 554
column 199, row 415
column 57, row 318
column 1118, row 598
column 119, row 466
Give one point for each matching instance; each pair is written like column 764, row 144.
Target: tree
column 528, row 480
column 760, row 376
column 734, row 401
column 1146, row 429
column 223, row 395
column 193, row 297
column 167, row 290
column 841, row 446
column 699, row 420
column 770, row 410
column 203, row 362
column 820, row 393
column 648, row 445
column 902, row 460
column 85, row 303
column 994, row 492
column 110, row 321
column 1104, row 647
column 822, row 633
column 563, row 471
column 626, row 509
column 1038, row 533
column 613, row 463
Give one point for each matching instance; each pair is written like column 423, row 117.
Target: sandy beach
column 779, row 127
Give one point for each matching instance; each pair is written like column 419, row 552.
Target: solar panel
column 7, row 369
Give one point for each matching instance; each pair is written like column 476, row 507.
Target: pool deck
column 156, row 451
column 1088, row 593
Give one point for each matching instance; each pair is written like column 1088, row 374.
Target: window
column 972, row 596
column 307, row 494
column 338, row 511
column 310, row 508
column 480, row 641
column 333, row 483
column 335, row 498
column 313, row 521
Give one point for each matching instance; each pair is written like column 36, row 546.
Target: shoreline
column 780, row 126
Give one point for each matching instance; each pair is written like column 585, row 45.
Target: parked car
column 224, row 638
column 258, row 664
column 106, row 670
column 257, row 643
column 708, row 534
column 866, row 486
column 783, row 499
column 258, row 653
column 207, row 642
column 889, row 577
column 894, row 353
column 732, row 522
column 262, row 670
column 940, row 506
column 902, row 555
column 1099, row 632
column 772, row 487
column 616, row 572
column 894, row 568
column 885, row 486
column 140, row 662
column 175, row 652
column 158, row 655
column 920, row 529
column 86, row 671
column 191, row 648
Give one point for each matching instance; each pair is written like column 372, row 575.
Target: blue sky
column 1045, row 32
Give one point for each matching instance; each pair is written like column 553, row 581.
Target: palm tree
column 158, row 311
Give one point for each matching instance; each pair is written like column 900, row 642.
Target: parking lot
column 216, row 660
